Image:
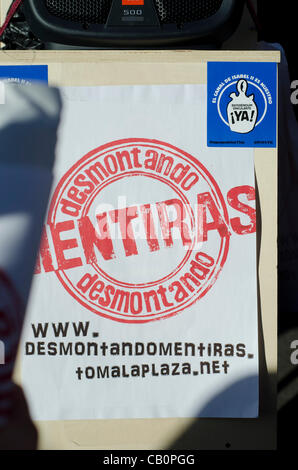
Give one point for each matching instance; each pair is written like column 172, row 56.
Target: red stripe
column 10, row 14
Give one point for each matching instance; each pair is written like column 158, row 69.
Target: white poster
column 144, row 301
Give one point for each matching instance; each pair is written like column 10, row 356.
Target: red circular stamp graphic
column 140, row 230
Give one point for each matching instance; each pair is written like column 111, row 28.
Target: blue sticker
column 24, row 74
column 241, row 109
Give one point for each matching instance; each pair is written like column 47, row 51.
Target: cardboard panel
column 78, row 68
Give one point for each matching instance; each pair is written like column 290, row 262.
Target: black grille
column 186, row 11
column 80, row 11
column 97, row 11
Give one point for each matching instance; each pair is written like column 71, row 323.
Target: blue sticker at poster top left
column 24, row 74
